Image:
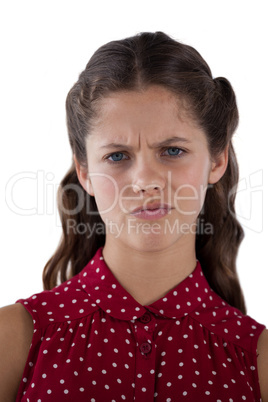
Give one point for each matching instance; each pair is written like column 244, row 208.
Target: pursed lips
column 152, row 208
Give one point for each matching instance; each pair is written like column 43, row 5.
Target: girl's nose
column 149, row 189
column 147, row 179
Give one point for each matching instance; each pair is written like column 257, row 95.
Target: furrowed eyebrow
column 166, row 142
column 169, row 141
column 115, row 145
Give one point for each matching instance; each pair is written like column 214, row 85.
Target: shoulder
column 64, row 303
column 262, row 362
column 15, row 339
column 229, row 323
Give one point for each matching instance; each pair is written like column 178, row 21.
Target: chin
column 150, row 243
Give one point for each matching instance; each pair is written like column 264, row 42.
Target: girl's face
column 148, row 169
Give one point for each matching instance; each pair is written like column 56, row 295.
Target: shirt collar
column 109, row 295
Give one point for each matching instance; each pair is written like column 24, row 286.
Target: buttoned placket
column 144, row 328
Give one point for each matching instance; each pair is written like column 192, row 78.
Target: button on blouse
column 94, row 342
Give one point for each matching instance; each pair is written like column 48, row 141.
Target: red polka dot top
column 94, row 342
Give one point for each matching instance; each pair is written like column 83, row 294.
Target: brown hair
column 135, row 63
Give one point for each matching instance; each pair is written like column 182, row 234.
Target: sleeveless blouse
column 94, row 342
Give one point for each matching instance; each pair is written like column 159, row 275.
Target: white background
column 46, row 44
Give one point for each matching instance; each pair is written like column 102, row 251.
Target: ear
column 219, row 167
column 83, row 177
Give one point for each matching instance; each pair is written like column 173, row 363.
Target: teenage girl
column 142, row 300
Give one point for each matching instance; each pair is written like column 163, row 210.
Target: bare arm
column 16, row 331
column 262, row 360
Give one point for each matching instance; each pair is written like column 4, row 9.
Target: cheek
column 190, row 192
column 189, row 199
column 105, row 191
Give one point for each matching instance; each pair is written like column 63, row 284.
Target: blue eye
column 174, row 151
column 116, row 157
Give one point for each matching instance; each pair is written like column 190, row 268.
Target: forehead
column 152, row 113
column 153, row 100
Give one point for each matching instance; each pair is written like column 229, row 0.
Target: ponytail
column 217, row 251
column 80, row 240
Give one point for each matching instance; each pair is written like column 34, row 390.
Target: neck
column 149, row 276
